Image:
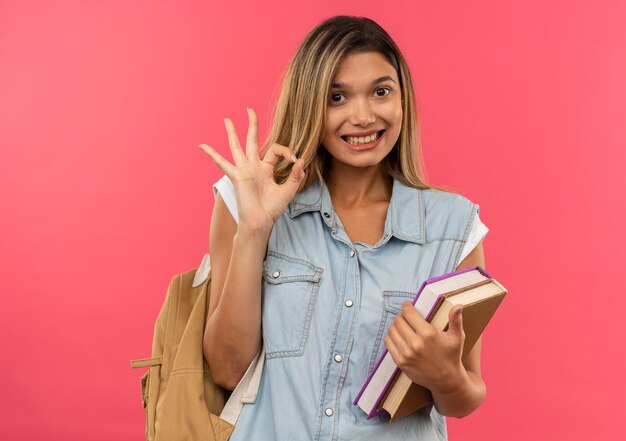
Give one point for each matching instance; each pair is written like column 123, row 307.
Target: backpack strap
column 202, row 273
column 246, row 391
column 146, row 362
column 252, row 387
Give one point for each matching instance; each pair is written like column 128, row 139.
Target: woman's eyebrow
column 376, row 81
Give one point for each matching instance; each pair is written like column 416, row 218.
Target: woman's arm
column 232, row 335
column 433, row 358
column 468, row 391
column 233, row 330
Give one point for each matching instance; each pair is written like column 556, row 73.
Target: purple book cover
column 374, row 412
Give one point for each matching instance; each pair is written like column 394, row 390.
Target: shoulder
column 447, row 213
column 435, row 199
column 436, row 203
column 432, row 214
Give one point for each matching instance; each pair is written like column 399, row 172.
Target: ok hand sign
column 260, row 201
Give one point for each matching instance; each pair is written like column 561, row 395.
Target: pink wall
column 104, row 194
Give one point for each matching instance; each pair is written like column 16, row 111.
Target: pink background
column 104, row 195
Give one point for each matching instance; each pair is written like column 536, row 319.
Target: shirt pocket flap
column 393, row 300
column 278, row 268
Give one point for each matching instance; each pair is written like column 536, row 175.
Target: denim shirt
column 327, row 304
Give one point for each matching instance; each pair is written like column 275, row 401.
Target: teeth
column 362, row 139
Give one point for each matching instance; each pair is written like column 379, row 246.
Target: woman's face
column 364, row 112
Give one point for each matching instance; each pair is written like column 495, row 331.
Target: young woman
column 319, row 242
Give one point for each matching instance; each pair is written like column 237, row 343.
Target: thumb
column 297, row 172
column 455, row 326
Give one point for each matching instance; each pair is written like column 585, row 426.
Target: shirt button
column 275, row 274
column 329, row 412
column 352, row 253
column 349, row 303
column 338, row 358
column 326, row 215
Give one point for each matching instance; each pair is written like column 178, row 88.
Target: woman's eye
column 384, row 90
column 335, row 97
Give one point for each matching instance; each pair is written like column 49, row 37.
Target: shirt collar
column 406, row 215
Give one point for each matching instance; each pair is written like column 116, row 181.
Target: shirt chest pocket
column 391, row 307
column 290, row 288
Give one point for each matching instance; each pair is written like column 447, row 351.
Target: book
column 429, row 298
column 480, row 302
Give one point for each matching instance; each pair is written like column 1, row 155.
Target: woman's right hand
column 260, row 201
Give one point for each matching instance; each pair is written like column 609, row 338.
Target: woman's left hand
column 427, row 356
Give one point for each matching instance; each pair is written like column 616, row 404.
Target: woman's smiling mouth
column 363, row 142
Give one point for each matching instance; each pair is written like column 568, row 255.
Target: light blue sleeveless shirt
column 327, row 304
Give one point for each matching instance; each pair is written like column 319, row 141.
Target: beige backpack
column 178, row 393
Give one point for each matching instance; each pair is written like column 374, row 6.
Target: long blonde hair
column 300, row 114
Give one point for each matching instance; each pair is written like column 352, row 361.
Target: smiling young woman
column 320, row 236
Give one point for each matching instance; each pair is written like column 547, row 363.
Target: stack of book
column 388, row 389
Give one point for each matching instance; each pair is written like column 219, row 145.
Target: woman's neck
column 354, row 186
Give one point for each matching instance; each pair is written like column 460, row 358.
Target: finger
column 277, row 151
column 392, row 348
column 292, row 183
column 400, row 343
column 455, row 322
column 222, row 163
column 414, row 319
column 403, row 329
column 252, row 145
column 297, row 173
column 233, row 141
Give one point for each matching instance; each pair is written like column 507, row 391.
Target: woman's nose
column 362, row 113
